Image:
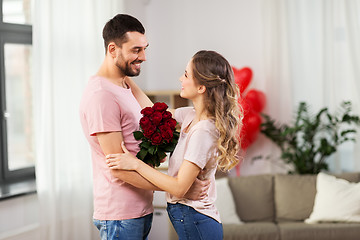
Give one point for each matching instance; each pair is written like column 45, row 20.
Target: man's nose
column 142, row 56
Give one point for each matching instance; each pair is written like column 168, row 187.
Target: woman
column 208, row 140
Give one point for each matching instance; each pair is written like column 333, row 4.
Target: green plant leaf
column 145, row 145
column 138, row 135
column 169, row 148
column 141, row 154
column 346, row 132
column 161, row 154
column 311, row 138
column 152, row 149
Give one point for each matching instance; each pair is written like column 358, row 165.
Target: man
column 110, row 113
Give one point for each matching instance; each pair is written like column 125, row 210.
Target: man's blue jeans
column 190, row 224
column 130, row 229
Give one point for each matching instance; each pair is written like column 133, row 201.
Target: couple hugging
column 110, row 112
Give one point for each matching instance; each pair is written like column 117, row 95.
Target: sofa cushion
column 250, row 231
column 253, row 197
column 351, row 177
column 336, row 200
column 322, row 231
column 295, row 195
column 225, row 202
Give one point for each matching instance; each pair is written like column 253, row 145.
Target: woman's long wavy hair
column 212, row 70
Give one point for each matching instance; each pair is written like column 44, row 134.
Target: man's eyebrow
column 139, row 47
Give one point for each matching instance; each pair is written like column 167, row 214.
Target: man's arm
column 111, row 143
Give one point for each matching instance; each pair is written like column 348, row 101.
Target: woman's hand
column 123, row 161
column 198, row 190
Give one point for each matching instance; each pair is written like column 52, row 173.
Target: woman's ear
column 201, row 89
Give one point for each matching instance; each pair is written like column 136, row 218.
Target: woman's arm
column 139, row 94
column 111, row 143
column 177, row 186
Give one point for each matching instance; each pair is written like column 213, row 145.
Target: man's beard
column 127, row 70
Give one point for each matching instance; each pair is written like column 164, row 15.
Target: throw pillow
column 336, row 200
column 294, row 196
column 225, row 202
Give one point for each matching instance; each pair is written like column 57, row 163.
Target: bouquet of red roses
column 157, row 134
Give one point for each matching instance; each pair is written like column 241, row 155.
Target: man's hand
column 198, row 190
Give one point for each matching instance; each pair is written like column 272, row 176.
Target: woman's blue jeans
column 129, row 229
column 190, row 224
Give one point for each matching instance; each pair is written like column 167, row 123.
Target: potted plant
column 310, row 139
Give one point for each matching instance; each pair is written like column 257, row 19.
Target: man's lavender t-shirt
column 106, row 107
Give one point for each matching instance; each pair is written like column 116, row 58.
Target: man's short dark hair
column 116, row 28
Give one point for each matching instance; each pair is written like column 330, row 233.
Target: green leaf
column 161, row 154
column 176, row 134
column 311, row 137
column 169, row 148
column 138, row 135
column 152, row 149
column 141, row 154
column 343, row 133
column 145, row 145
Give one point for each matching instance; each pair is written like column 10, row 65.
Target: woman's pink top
column 196, row 146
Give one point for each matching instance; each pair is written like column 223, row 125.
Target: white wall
column 235, row 28
column 19, row 218
column 177, row 29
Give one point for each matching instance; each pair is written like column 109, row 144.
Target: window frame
column 12, row 33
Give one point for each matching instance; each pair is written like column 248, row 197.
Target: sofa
column 275, row 206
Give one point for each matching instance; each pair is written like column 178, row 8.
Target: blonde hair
column 212, row 70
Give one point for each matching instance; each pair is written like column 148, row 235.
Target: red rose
column 160, row 106
column 166, row 132
column 144, row 122
column 147, row 111
column 156, row 138
column 171, row 123
column 156, row 118
column 166, row 115
column 149, row 130
column 157, row 134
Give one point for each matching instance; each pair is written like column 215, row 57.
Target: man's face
column 131, row 54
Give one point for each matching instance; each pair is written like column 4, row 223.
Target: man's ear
column 111, row 49
column 201, row 89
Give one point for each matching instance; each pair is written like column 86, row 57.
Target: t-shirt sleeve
column 103, row 113
column 200, row 147
column 180, row 113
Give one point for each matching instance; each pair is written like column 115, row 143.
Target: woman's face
column 189, row 88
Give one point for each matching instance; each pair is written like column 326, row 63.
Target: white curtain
column 68, row 49
column 325, row 58
column 352, row 24
column 312, row 54
column 278, row 87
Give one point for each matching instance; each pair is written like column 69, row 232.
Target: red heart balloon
column 250, row 129
column 256, row 99
column 242, row 77
column 244, row 105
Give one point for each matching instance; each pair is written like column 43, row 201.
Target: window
column 17, row 146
